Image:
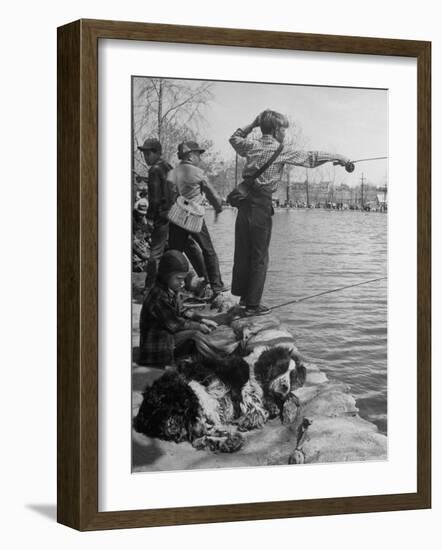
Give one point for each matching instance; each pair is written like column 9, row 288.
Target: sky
column 349, row 121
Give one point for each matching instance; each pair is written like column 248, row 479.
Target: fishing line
column 297, row 300
column 373, row 158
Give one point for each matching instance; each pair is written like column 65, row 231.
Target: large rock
column 271, row 338
column 342, row 439
column 224, row 339
column 253, row 325
column 332, row 400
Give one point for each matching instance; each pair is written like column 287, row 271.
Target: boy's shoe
column 220, row 290
column 200, row 288
column 242, row 303
column 256, row 310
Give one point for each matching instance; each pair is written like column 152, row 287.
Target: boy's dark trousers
column 179, row 240
column 253, row 230
column 158, row 242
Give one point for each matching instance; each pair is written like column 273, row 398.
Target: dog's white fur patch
column 208, row 403
column 252, row 404
column 216, row 406
column 253, row 357
column 283, row 380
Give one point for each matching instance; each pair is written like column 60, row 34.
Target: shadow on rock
column 145, row 450
column 144, row 376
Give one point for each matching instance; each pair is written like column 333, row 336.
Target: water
column 344, row 333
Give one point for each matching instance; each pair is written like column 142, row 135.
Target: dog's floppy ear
column 297, row 357
column 272, row 363
column 297, row 378
column 299, row 374
column 266, row 364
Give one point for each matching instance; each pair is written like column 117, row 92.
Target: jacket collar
column 268, row 138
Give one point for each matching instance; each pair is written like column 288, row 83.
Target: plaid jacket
column 162, row 316
column 258, row 152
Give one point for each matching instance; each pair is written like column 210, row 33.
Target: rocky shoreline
column 327, row 428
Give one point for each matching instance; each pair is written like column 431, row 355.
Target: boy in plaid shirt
column 253, row 226
column 165, row 327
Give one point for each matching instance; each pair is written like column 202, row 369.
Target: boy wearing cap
column 190, row 182
column 160, row 198
column 253, row 226
column 158, row 194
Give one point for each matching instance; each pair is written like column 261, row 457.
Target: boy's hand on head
column 209, row 323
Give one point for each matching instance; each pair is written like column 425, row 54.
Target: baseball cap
column 150, row 144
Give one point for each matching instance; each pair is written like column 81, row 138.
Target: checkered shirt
column 162, row 316
column 258, row 152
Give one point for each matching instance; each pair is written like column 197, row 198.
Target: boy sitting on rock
column 166, row 329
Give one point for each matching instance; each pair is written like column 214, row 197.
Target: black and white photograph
column 259, row 274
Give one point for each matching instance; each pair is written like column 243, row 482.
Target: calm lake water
column 344, row 333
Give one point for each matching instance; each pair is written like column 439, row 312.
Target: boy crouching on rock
column 166, row 330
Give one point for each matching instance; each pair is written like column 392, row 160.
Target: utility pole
column 306, row 186
column 362, row 191
column 287, row 196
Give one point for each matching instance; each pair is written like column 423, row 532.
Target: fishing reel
column 349, row 166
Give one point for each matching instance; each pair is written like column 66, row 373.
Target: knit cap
column 172, row 261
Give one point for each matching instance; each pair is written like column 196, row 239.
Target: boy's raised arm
column 239, row 140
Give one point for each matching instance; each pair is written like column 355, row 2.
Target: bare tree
column 168, row 109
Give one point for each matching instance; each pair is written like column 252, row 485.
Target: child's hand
column 209, row 323
column 204, row 328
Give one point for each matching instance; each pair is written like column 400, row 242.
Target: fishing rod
column 350, row 165
column 297, row 300
column 373, row 158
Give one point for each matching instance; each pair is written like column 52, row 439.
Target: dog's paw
column 290, row 409
column 231, row 443
column 252, row 420
column 200, row 443
column 272, row 409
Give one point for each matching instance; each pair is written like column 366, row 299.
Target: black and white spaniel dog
column 210, row 402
